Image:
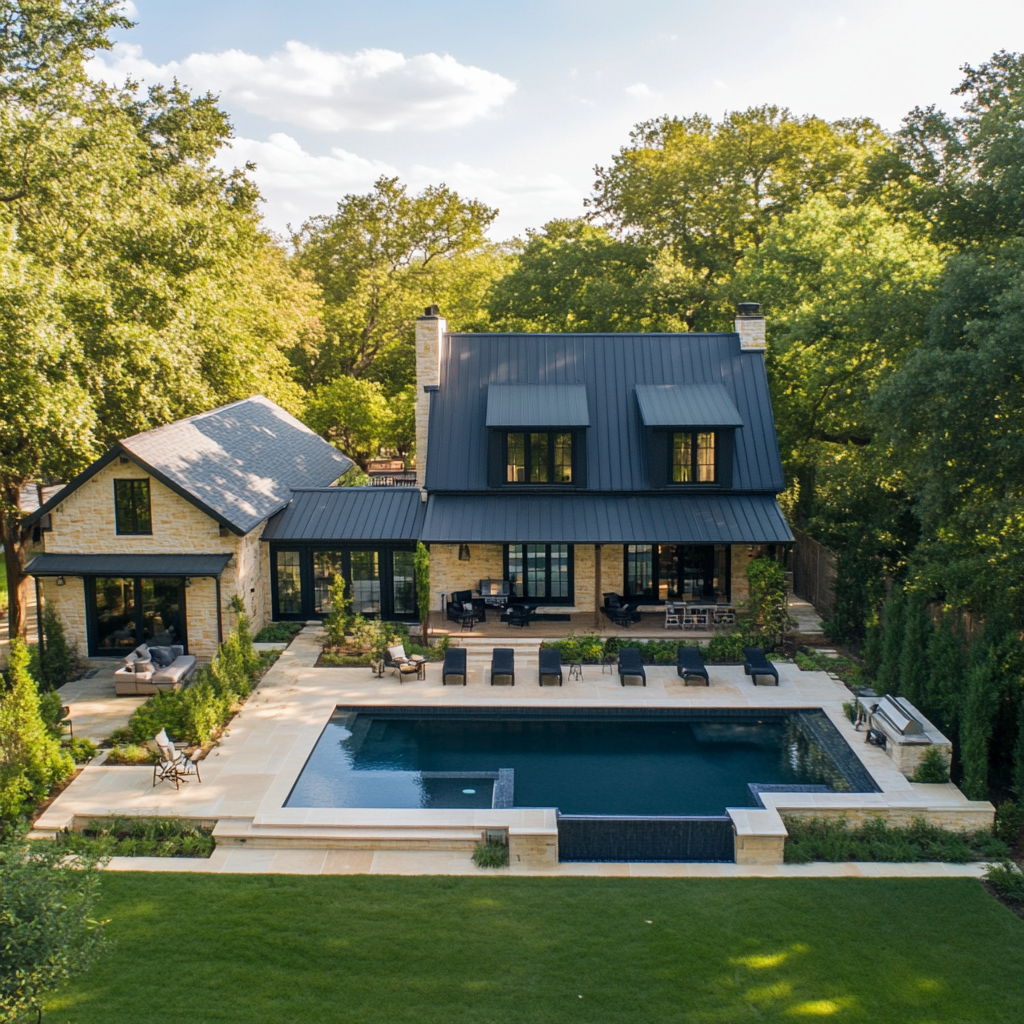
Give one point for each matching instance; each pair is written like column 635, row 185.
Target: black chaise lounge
column 550, row 666
column 454, row 671
column 689, row 664
column 630, row 666
column 503, row 667
column 757, row 664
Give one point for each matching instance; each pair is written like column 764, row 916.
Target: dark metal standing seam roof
column 349, row 514
column 127, row 565
column 537, row 405
column 609, row 366
column 605, row 519
column 687, row 405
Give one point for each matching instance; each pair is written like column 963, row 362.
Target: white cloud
column 297, row 184
column 378, row 90
column 639, row 91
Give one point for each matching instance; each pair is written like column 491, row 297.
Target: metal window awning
column 605, row 519
column 687, row 405
column 127, row 565
column 537, row 405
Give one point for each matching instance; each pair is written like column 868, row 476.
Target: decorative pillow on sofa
column 162, row 656
column 467, row 606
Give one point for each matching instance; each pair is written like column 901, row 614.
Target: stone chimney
column 750, row 326
column 430, row 330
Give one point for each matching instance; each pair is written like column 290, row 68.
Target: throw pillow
column 162, row 656
column 467, row 606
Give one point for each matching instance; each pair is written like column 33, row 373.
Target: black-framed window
column 381, row 580
column 123, row 612
column 541, row 572
column 693, row 457
column 678, row 572
column 131, row 507
column 539, row 457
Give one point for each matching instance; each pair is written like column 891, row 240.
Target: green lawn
column 272, row 948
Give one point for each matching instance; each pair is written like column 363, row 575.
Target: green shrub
column 835, row 839
column 851, row 710
column 490, row 855
column 164, row 710
column 131, row 754
column 51, row 710
column 1007, row 880
column 340, row 620
column 82, row 750
column 204, row 710
column 57, row 662
column 346, row 660
column 277, row 633
column 140, row 837
column 768, row 601
column 1009, row 822
column 932, row 767
column 120, row 735
column 725, row 647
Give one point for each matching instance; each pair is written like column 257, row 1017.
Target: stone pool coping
column 249, row 776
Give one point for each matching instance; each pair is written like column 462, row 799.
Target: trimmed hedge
column 725, row 648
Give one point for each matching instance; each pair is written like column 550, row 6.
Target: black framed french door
column 381, row 579
column 670, row 572
column 125, row 611
column 541, row 572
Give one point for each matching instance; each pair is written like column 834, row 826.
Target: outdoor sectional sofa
column 142, row 673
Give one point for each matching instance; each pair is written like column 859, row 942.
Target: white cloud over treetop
column 376, row 90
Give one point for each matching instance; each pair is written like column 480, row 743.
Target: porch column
column 597, row 585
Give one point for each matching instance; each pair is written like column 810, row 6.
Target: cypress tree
column 1018, row 752
column 976, row 723
column 894, row 622
column 947, row 669
column 914, row 665
column 872, row 652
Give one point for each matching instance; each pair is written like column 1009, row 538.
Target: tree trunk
column 14, row 560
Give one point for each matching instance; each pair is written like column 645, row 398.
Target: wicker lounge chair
column 454, row 671
column 689, row 664
column 503, row 667
column 630, row 666
column 756, row 664
column 550, row 666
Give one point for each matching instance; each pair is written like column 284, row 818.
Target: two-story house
column 568, row 465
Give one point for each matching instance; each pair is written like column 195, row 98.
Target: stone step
column 341, row 837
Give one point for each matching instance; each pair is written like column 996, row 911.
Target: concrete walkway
column 96, row 711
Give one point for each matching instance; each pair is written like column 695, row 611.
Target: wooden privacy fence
column 814, row 573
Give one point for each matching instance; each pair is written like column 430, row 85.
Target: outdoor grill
column 899, row 715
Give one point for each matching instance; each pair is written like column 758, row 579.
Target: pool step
column 236, row 832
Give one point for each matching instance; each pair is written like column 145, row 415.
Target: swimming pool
column 583, row 761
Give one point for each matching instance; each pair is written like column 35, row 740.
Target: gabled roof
column 350, row 513
column 238, row 463
column 609, row 367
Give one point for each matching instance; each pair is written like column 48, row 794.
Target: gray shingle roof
column 605, row 519
column 609, row 366
column 237, row 463
column 349, row 513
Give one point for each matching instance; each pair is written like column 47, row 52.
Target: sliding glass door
column 125, row 611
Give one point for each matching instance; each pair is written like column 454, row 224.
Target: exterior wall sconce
column 60, row 581
column 463, row 552
column 188, row 581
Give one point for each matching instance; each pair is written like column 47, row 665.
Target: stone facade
column 448, row 574
column 429, row 332
column 84, row 524
column 742, row 556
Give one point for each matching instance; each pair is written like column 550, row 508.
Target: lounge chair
column 396, row 660
column 622, row 614
column 756, row 664
column 630, row 666
column 454, row 670
column 503, row 667
column 462, row 605
column 550, row 666
column 690, row 664
column 520, row 614
column 172, row 766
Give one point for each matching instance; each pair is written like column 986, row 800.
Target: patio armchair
column 689, row 664
column 503, row 666
column 550, row 666
column 622, row 614
column 456, row 608
column 630, row 666
column 453, row 671
column 396, row 659
column 756, row 664
column 520, row 614
column 172, row 766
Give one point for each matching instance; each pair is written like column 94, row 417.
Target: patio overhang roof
column 605, row 519
column 127, row 565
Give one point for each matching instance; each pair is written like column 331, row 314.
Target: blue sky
column 515, row 102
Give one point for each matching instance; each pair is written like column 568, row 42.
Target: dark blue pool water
column 602, row 765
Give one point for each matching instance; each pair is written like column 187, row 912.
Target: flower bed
column 140, row 837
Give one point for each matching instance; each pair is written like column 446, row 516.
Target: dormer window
column 542, row 457
column 693, row 458
column 131, row 507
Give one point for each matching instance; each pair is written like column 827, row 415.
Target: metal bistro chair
column 172, row 766
column 672, row 620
